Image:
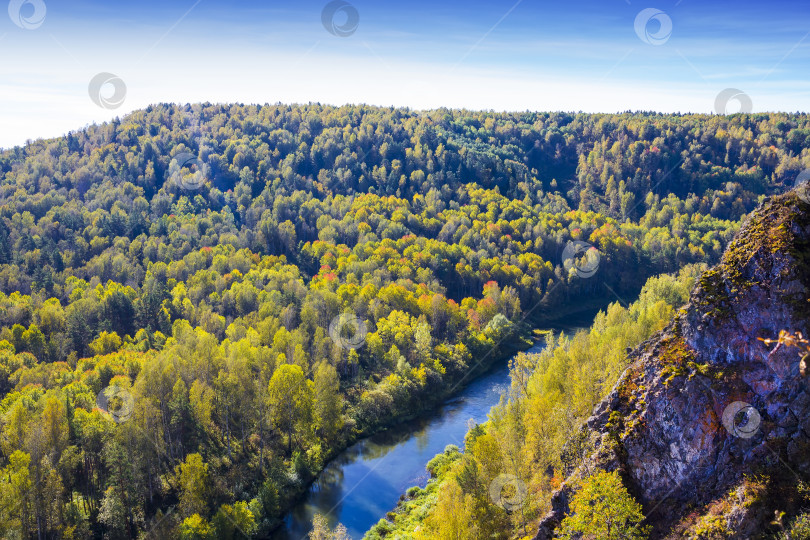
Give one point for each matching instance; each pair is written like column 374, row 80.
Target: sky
column 66, row 64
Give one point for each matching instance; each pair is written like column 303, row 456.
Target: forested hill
column 248, row 289
column 276, row 177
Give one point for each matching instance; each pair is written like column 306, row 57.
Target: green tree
column 290, row 398
column 424, row 343
column 328, row 403
column 604, row 510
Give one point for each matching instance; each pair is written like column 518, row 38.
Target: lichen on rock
column 666, row 425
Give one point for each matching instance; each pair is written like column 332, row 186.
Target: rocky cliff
column 710, row 426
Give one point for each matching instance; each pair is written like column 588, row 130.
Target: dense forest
column 200, row 305
column 535, row 435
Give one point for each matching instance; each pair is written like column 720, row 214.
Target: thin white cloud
column 44, row 81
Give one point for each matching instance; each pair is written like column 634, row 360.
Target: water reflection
column 365, row 482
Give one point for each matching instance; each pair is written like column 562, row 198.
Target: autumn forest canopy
column 200, row 305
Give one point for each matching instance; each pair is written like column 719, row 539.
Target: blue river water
column 365, row 482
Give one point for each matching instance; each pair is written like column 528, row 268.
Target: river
column 365, row 482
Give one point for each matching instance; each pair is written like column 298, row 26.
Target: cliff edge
column 710, row 425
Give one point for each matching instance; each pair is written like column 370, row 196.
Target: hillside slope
column 173, row 282
column 709, row 425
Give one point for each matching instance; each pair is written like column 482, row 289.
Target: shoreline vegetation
column 521, row 341
column 432, row 512
column 200, row 303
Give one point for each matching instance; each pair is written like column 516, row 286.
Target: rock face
column 705, row 402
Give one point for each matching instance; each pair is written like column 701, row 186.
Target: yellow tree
column 321, row 531
column 453, row 518
column 192, row 478
column 290, row 397
column 15, row 496
column 328, row 402
column 604, row 509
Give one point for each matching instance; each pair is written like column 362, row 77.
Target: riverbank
column 480, row 491
column 522, row 339
column 366, row 481
column 299, row 514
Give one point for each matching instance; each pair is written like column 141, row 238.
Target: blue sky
column 503, row 55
